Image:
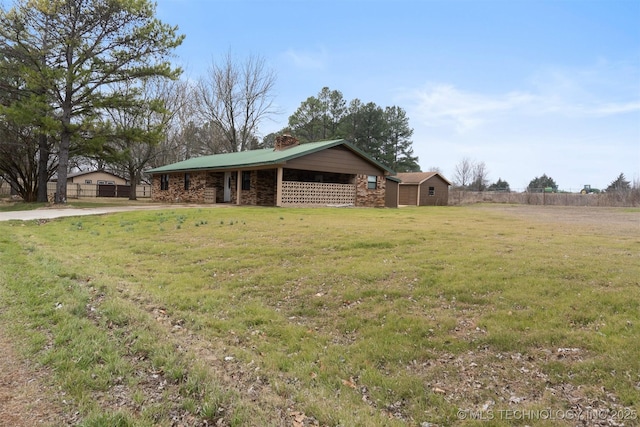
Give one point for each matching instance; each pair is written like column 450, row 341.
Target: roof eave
column 213, row 169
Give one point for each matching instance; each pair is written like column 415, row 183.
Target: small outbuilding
column 324, row 173
column 96, row 183
column 97, row 177
column 423, row 189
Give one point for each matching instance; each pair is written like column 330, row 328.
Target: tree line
column 383, row 133
column 67, row 70
column 88, row 84
column 473, row 176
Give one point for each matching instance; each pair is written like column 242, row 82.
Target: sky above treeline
column 529, row 87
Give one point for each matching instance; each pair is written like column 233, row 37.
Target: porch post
column 238, row 187
column 279, row 187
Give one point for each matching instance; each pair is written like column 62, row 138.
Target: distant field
column 477, row 315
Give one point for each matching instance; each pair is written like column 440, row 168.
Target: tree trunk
column 43, row 163
column 132, row 191
column 133, row 182
column 63, row 165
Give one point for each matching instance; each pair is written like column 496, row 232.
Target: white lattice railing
column 315, row 193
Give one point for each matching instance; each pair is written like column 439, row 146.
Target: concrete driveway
column 51, row 213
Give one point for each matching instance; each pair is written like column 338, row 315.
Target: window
column 432, row 191
column 164, row 181
column 372, row 182
column 187, row 181
column 246, row 180
column 88, row 181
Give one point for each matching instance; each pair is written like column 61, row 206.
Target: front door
column 227, row 187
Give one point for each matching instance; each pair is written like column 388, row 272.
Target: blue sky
column 529, row 87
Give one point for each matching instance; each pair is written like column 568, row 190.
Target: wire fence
column 622, row 198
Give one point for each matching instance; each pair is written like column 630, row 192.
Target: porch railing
column 296, row 193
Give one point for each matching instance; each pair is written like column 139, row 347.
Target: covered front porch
column 270, row 187
column 283, row 187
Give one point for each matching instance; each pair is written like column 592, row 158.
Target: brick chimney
column 285, row 141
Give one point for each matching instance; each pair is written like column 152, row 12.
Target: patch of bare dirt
column 482, row 381
column 26, row 399
column 602, row 220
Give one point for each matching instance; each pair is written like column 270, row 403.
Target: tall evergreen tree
column 538, row 184
column 619, row 184
column 384, row 134
column 364, row 126
column 77, row 49
column 398, row 150
column 306, row 122
column 26, row 109
column 333, row 107
column 318, row 118
column 500, row 185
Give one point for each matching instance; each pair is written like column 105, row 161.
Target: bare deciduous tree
column 137, row 128
column 180, row 136
column 480, row 174
column 471, row 175
column 463, row 173
column 235, row 98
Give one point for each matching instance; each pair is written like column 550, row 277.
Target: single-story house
column 423, row 189
column 291, row 174
column 97, row 177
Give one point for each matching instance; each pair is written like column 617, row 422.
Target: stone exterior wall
column 262, row 190
column 216, row 180
column 370, row 198
column 250, row 196
column 266, row 187
column 176, row 192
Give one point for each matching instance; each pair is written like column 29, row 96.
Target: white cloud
column 610, row 109
column 580, row 126
column 446, row 106
column 308, row 59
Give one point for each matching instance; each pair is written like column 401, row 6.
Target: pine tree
column 619, row 184
column 537, row 185
column 75, row 50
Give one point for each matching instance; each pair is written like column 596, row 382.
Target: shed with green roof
column 324, row 173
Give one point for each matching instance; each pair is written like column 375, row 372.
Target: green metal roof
column 262, row 157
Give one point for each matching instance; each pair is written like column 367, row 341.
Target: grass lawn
column 476, row 315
